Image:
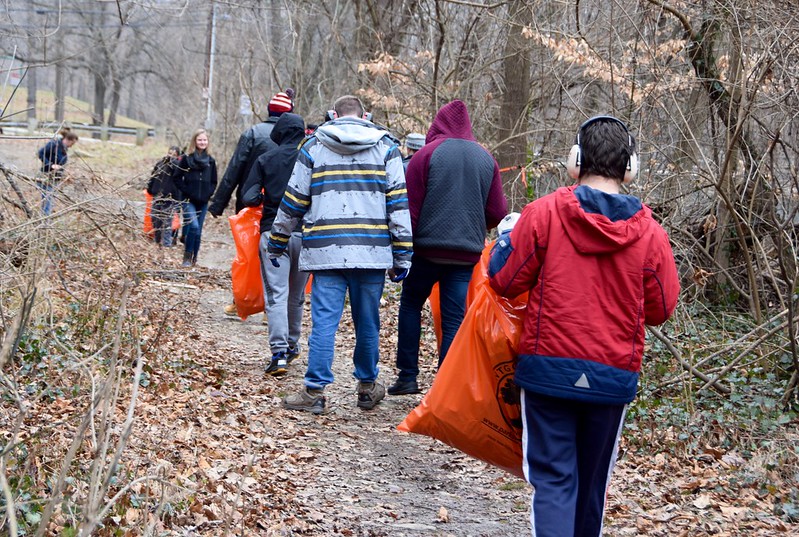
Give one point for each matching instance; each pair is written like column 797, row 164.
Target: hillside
column 75, row 110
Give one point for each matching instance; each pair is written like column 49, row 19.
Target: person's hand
column 55, row 167
column 397, row 275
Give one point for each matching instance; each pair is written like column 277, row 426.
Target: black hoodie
column 272, row 171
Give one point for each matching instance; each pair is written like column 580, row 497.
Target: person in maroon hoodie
column 455, row 196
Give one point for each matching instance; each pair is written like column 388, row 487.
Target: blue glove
column 274, row 262
column 398, row 276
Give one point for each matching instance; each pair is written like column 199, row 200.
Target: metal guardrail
column 133, row 131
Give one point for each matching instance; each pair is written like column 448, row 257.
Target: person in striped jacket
column 348, row 188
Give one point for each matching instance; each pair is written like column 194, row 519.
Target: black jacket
column 195, row 177
column 161, row 184
column 252, row 144
column 272, row 171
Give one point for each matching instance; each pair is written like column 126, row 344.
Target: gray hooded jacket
column 348, row 187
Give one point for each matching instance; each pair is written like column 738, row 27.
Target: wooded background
column 708, row 87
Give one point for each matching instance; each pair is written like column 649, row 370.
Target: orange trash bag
column 473, row 404
column 148, row 220
column 245, row 271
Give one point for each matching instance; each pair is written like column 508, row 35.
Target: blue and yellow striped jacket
column 348, row 188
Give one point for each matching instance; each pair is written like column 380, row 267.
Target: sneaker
column 293, row 353
column 278, row 366
column 308, row 400
column 404, row 387
column 369, row 394
column 230, row 309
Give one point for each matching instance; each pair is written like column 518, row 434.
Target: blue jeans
column 453, row 281
column 194, row 216
column 47, row 197
column 328, row 291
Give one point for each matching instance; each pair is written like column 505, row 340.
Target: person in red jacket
column 598, row 268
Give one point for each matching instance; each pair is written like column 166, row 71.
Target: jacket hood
column 289, row 130
column 451, row 121
column 601, row 223
column 348, row 135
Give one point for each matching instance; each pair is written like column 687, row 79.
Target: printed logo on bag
column 509, row 401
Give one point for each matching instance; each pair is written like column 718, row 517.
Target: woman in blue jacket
column 195, row 176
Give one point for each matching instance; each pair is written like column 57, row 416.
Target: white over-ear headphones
column 573, row 163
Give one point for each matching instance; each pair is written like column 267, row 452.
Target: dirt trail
column 362, row 476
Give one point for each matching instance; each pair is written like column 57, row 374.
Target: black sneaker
column 369, row 394
column 278, row 366
column 404, row 387
column 293, row 353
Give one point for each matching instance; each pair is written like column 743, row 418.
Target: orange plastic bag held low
column 148, row 217
column 148, row 209
column 473, row 404
column 245, row 271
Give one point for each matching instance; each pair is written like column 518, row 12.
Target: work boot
column 369, row 394
column 306, row 400
column 230, row 309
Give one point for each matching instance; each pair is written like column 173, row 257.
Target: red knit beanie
column 281, row 102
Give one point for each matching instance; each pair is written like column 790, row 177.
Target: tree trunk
column 512, row 150
column 98, row 112
column 32, row 87
column 116, row 92
column 59, row 92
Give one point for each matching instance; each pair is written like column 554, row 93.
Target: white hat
column 414, row 141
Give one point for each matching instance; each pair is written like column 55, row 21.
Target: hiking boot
column 404, row 387
column 230, row 309
column 307, row 400
column 186, row 260
column 278, row 366
column 369, row 394
column 293, row 353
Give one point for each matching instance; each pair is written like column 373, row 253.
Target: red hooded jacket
column 599, row 268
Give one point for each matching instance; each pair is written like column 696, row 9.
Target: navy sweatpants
column 569, row 451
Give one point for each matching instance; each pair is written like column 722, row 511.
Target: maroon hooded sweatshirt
column 454, row 190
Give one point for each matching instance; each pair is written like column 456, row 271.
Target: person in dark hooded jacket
column 253, row 143
column 166, row 196
column 195, row 177
column 284, row 283
column 448, row 237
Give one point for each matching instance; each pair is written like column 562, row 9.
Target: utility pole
column 209, row 66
